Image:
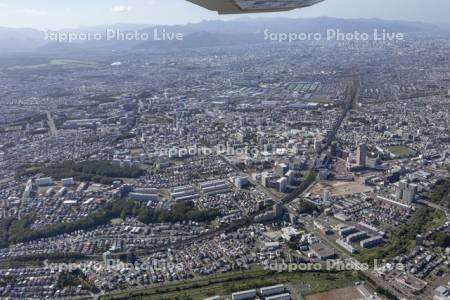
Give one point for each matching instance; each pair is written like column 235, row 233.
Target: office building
column 282, row 184
column 361, row 155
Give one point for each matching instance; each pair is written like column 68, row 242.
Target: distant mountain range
column 204, row 34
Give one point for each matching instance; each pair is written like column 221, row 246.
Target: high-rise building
column 240, row 181
column 326, row 196
column 318, row 144
column 409, row 193
column 107, row 257
column 281, row 169
column 266, row 179
column 278, row 210
column 333, row 148
column 406, row 192
column 361, row 154
column 282, row 184
column 290, row 177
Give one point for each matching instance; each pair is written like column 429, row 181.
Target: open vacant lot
column 339, row 188
column 348, row 293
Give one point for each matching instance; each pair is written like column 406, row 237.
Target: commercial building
column 372, row 162
column 322, row 251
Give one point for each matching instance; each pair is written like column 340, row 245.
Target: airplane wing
column 253, row 6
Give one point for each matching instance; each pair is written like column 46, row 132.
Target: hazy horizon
column 51, row 14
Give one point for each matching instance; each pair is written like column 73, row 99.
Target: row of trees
column 440, row 193
column 75, row 278
column 16, row 231
column 100, row 217
column 403, row 238
column 97, row 171
column 182, row 211
column 12, row 229
column 442, row 239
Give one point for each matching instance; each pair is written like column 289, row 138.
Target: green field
column 71, row 63
column 226, row 284
column 401, row 151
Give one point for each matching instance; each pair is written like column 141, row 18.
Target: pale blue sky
column 56, row 14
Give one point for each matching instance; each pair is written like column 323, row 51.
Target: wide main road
column 352, row 95
column 51, row 124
